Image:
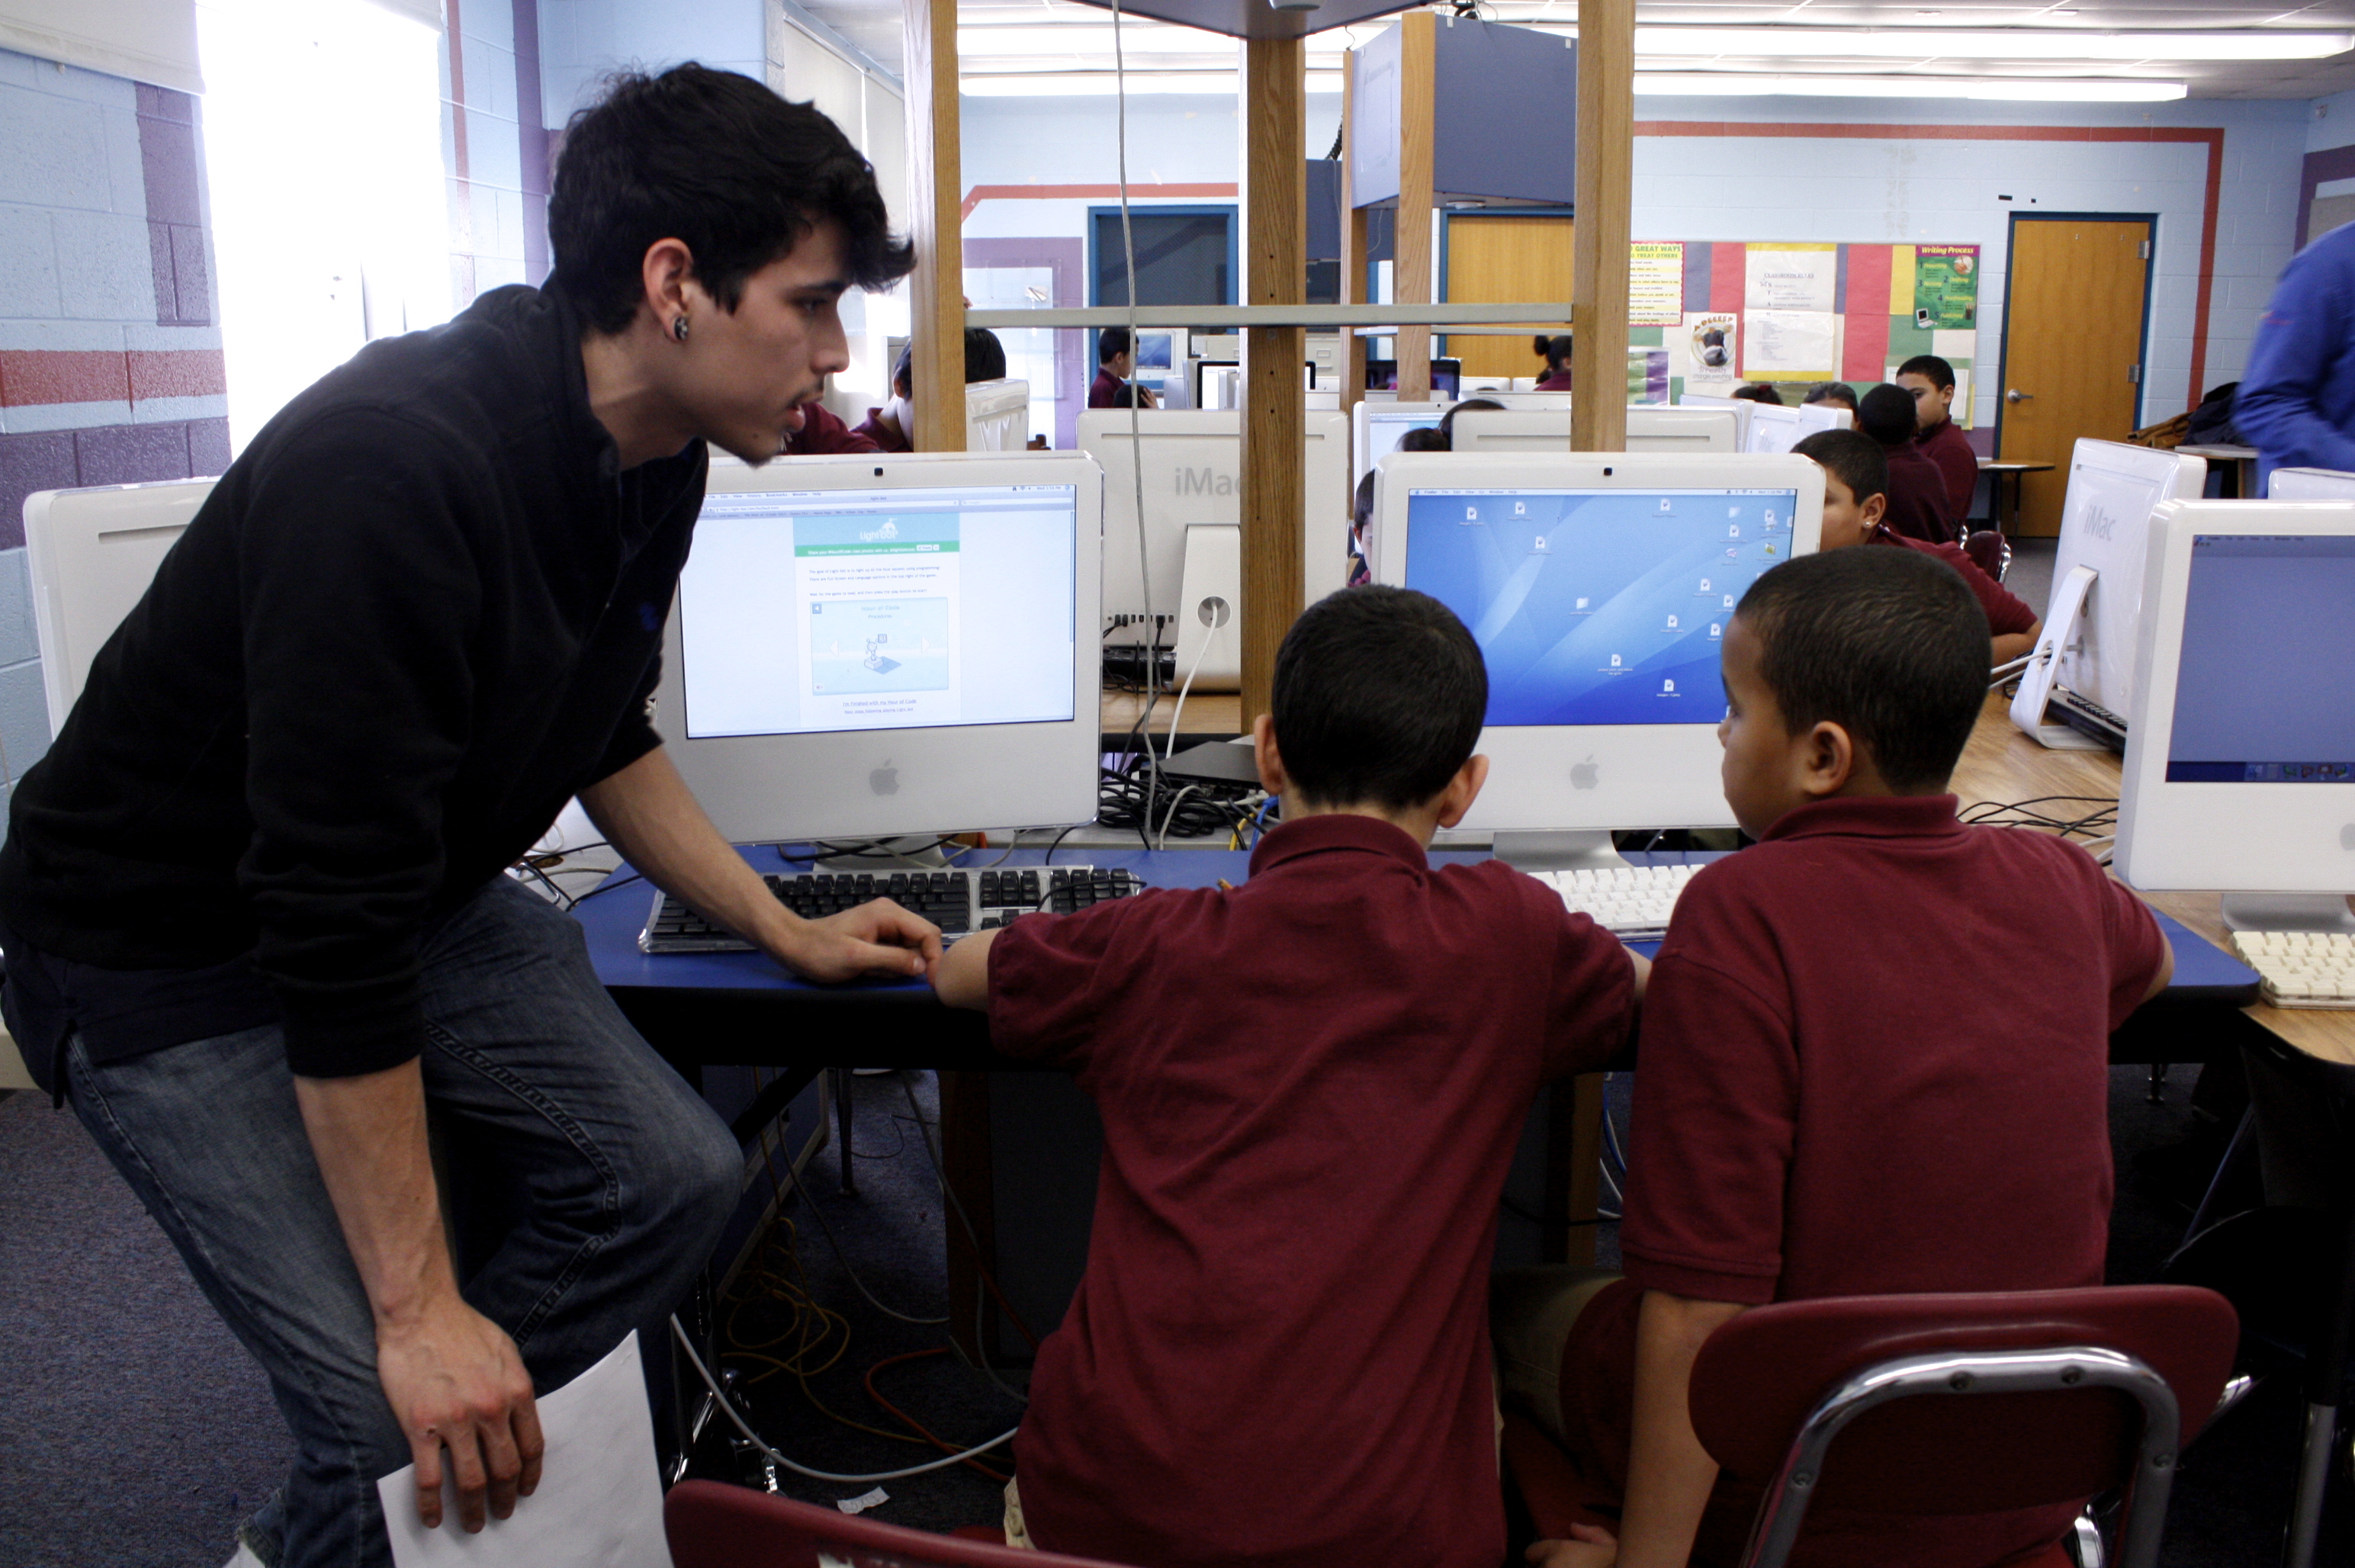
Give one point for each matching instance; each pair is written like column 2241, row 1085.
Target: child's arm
column 961, row 977
column 2166, row 976
column 1670, row 1474
column 1642, row 971
column 2009, row 645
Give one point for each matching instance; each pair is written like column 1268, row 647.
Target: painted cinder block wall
column 110, row 353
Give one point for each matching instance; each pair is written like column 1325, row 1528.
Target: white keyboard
column 2301, row 968
column 1632, row 903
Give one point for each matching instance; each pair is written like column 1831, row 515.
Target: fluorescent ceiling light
column 1710, row 84
column 1987, row 44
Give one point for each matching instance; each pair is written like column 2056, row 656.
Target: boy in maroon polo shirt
column 1918, row 505
column 1931, row 382
column 1312, row 1086
column 1820, row 1112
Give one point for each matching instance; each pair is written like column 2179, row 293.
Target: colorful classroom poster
column 1706, row 341
column 1791, row 278
column 1656, row 283
column 1790, row 346
column 1647, row 374
column 1946, row 287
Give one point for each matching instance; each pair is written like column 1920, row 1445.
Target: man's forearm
column 647, row 813
column 368, row 1135
column 1670, row 1474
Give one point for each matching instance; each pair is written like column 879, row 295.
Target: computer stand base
column 2288, row 911
column 1563, row 851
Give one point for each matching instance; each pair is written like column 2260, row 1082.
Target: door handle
column 2017, row 396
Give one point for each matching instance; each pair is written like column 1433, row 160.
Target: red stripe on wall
column 1865, row 354
column 177, row 373
column 30, row 376
column 1729, row 278
column 981, row 193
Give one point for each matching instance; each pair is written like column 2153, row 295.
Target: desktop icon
column 1733, row 531
column 1668, row 689
column 1714, row 631
column 1540, row 545
column 1770, row 550
column 1665, row 504
column 1704, row 585
column 1614, row 661
column 1582, row 601
column 1672, row 623
column 1729, row 601
column 1520, row 508
column 1471, row 514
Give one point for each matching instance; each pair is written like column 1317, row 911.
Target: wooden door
column 2079, row 297
column 1496, row 258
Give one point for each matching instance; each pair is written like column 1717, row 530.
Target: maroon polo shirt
column 1874, row 1059
column 1951, row 453
column 1312, row 1086
column 1103, row 390
column 1918, row 507
column 886, row 438
column 2006, row 612
column 1555, row 381
column 822, row 434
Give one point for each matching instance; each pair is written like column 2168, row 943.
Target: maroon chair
column 716, row 1526
column 1989, row 552
column 1963, row 1404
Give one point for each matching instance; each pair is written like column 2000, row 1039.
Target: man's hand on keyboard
column 877, row 938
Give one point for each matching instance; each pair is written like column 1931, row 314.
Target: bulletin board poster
column 1946, row 287
column 1791, row 345
column 1796, row 278
column 1656, row 283
column 1708, row 341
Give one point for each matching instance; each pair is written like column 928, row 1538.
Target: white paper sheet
column 599, row 1501
column 1788, row 345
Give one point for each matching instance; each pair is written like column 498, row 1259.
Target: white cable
column 727, row 1407
column 1176, row 800
column 1199, row 654
column 1136, row 423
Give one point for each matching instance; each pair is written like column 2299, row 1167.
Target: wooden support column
column 1275, row 271
column 1351, row 360
column 1411, row 238
column 1607, row 133
column 935, row 190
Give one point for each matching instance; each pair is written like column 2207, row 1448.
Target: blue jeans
column 588, row 1184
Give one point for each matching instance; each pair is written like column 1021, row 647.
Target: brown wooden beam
column 1411, row 239
column 936, row 188
column 1606, row 139
column 1275, row 271
column 1351, row 360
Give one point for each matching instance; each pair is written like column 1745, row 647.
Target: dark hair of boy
column 1851, row 456
column 1886, row 414
column 1936, row 371
column 1759, row 392
column 1378, row 697
column 1838, row 392
column 1110, row 343
column 720, row 163
column 985, row 357
column 1888, row 643
column 904, row 375
column 1428, row 438
column 1555, row 350
column 1468, row 406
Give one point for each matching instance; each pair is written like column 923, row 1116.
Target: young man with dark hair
column 1830, row 1005
column 1856, row 496
column 1116, row 362
column 1918, row 507
column 1931, row 381
column 1311, row 1088
column 255, row 919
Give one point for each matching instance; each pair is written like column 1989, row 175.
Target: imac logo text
column 1203, row 481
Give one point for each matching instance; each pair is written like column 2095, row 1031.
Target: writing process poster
column 1791, row 278
column 1656, row 283
column 1706, row 341
column 1946, row 287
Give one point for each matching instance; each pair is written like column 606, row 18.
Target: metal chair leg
column 2326, row 1373
column 2157, row 1092
column 842, row 1126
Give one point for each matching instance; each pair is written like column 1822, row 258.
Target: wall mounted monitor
column 91, row 554
column 1649, row 429
column 867, row 647
column 2310, row 485
column 2240, row 761
column 1599, row 586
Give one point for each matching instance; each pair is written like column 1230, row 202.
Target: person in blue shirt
column 2296, row 402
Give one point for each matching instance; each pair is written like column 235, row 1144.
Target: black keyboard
column 956, row 901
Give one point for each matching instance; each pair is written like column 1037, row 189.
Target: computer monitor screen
column 1599, row 587
column 864, row 647
column 2240, row 766
column 1446, row 377
column 2310, row 485
column 1380, row 427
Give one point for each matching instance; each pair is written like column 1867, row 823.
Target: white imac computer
column 1773, row 429
column 92, row 554
column 1598, row 586
column 867, row 647
column 1522, row 400
column 996, row 416
column 2310, row 485
column 2078, row 685
column 2240, row 763
column 1192, row 526
column 1649, row 429
column 1740, row 408
column 1376, row 429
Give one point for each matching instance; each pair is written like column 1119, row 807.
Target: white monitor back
column 967, row 766
column 2244, row 649
column 2114, row 487
column 1193, row 477
column 996, row 415
column 1522, row 400
column 92, row 554
column 1740, row 408
column 1376, row 429
column 2310, row 485
column 1773, row 429
column 1649, row 429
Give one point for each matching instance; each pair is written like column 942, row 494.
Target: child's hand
column 1589, row 1547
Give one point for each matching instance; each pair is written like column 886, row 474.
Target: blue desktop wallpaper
column 1597, row 607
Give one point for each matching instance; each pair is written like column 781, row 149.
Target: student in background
column 1797, row 1123
column 1759, row 392
column 1840, row 394
column 1931, row 381
column 1918, row 504
column 1361, row 512
column 1555, row 351
column 1116, row 362
column 1311, row 1087
column 1448, row 422
column 1856, row 484
column 821, row 433
column 892, row 427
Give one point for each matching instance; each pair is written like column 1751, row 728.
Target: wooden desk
column 2001, row 469
column 2001, row 764
column 1206, row 712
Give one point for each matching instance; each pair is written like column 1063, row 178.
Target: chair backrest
column 716, row 1526
column 2036, row 1431
column 1989, row 552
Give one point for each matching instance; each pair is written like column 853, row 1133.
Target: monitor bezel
column 1521, row 424
column 944, row 778
column 1659, row 775
column 2298, row 838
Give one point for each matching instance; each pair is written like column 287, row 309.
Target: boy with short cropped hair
column 1820, row 1112
column 1312, row 1086
column 1918, row 504
column 1856, row 486
column 1930, row 381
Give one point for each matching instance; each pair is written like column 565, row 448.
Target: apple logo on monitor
column 884, row 780
column 1585, row 775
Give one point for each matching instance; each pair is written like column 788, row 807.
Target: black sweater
column 421, row 611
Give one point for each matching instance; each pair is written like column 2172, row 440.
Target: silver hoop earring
column 678, row 328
